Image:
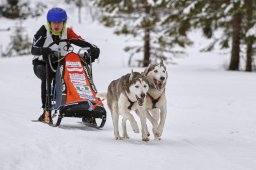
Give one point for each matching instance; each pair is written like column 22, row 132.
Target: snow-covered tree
column 235, row 19
column 84, row 5
column 250, row 7
column 20, row 43
column 147, row 21
column 163, row 24
column 21, row 9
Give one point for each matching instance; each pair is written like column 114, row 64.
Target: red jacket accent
column 72, row 35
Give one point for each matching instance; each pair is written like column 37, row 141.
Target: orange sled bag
column 74, row 93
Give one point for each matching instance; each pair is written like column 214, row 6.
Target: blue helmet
column 56, row 15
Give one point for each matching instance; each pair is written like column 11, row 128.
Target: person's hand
column 45, row 52
column 95, row 52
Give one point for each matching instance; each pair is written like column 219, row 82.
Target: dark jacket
column 40, row 37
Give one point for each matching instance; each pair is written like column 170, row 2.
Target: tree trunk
column 249, row 54
column 146, row 60
column 235, row 57
column 249, row 40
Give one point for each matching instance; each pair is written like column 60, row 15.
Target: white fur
column 123, row 110
column 120, row 107
column 157, row 115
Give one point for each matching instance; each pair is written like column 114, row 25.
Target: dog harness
column 131, row 103
column 154, row 101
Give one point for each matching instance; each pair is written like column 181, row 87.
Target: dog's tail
column 102, row 95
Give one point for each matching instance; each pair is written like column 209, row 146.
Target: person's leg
column 40, row 72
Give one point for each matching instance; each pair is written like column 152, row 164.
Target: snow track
column 210, row 125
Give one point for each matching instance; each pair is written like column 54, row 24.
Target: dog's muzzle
column 140, row 99
column 159, row 83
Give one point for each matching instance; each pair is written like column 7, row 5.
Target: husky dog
column 156, row 99
column 127, row 94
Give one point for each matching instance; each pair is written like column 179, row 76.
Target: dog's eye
column 155, row 71
column 145, row 86
column 137, row 86
column 163, row 71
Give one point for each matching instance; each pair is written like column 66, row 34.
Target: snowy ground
column 210, row 125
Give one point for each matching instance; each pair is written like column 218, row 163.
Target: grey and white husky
column 126, row 94
column 156, row 100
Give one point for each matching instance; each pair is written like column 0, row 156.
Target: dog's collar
column 154, row 101
column 131, row 103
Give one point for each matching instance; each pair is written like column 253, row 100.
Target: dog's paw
column 157, row 134
column 145, row 139
column 148, row 134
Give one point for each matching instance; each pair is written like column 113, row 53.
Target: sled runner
column 72, row 93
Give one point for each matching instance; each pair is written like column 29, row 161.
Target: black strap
column 131, row 104
column 154, row 101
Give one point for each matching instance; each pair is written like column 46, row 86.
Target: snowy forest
column 157, row 28
column 209, row 53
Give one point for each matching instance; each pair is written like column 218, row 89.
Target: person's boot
column 89, row 121
column 93, row 121
column 45, row 117
column 41, row 118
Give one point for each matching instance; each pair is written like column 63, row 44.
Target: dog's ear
column 161, row 61
column 131, row 75
column 146, row 70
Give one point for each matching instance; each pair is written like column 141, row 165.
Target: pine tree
column 20, row 43
column 147, row 21
column 236, row 39
column 14, row 9
column 234, row 18
column 79, row 4
column 249, row 4
column 84, row 5
column 11, row 9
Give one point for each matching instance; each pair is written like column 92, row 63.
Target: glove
column 95, row 52
column 45, row 52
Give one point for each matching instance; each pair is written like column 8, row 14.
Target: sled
column 72, row 92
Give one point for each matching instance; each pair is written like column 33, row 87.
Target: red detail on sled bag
column 78, row 86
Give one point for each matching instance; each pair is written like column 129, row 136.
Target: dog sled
column 72, row 92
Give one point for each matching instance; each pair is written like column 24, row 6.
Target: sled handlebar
column 78, row 42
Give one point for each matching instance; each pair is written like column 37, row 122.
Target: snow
column 251, row 31
column 189, row 8
column 154, row 2
column 228, row 8
column 210, row 122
